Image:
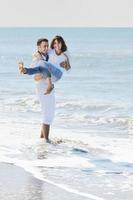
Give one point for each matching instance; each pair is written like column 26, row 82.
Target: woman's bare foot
column 21, row 67
column 49, row 89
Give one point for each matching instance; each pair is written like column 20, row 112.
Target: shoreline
column 16, row 183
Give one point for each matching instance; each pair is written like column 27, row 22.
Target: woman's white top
column 57, row 59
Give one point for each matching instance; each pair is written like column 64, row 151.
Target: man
column 47, row 101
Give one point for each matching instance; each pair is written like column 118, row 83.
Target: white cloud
column 66, row 13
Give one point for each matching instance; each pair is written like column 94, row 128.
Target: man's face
column 43, row 47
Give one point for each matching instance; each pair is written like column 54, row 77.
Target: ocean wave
column 23, row 104
column 92, row 54
column 70, row 119
column 32, row 102
column 71, row 112
column 88, row 106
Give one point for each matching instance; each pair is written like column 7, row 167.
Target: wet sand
column 16, row 184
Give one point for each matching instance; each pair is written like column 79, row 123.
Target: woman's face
column 57, row 46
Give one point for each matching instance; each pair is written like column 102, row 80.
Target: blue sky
column 90, row 13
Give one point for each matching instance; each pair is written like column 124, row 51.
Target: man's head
column 42, row 45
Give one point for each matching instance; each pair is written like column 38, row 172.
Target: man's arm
column 36, row 57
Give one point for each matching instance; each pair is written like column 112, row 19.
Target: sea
column 93, row 115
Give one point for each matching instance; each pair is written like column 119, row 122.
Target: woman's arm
column 67, row 65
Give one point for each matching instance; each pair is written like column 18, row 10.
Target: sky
column 66, row 13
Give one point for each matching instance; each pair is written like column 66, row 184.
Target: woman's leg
column 53, row 70
column 36, row 70
column 47, row 70
column 50, row 85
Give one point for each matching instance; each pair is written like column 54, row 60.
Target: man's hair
column 39, row 41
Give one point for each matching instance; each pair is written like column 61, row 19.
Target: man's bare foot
column 49, row 89
column 21, row 67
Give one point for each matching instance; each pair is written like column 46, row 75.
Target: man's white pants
column 47, row 102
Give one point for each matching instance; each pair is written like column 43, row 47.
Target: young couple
column 48, row 66
column 50, row 62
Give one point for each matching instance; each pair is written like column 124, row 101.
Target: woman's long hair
column 60, row 40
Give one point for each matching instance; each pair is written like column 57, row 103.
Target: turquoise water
column 100, row 82
column 94, row 112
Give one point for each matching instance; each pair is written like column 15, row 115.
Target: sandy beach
column 15, row 183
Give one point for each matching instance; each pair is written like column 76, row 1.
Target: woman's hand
column 65, row 65
column 38, row 77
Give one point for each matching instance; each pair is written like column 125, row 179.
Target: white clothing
column 47, row 102
column 57, row 59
